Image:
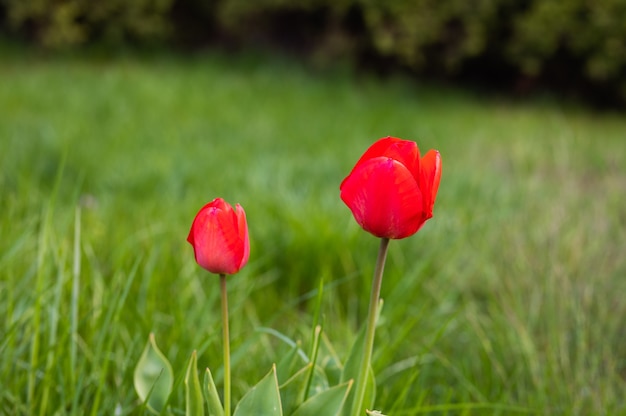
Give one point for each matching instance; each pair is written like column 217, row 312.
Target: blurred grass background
column 509, row 301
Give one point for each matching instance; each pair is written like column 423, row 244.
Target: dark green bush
column 577, row 43
column 574, row 41
column 593, row 32
column 417, row 34
column 62, row 23
column 426, row 32
column 589, row 35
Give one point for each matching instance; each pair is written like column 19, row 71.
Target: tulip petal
column 407, row 153
column 403, row 151
column 228, row 244
column 429, row 178
column 216, row 239
column 384, row 198
column 242, row 226
column 379, row 148
column 192, row 232
column 210, row 244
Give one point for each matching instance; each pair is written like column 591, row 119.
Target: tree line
column 576, row 46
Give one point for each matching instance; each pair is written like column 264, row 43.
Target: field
column 511, row 300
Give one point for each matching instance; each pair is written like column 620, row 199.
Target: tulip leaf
column 287, row 365
column 153, row 377
column 328, row 402
column 194, row 401
column 212, row 397
column 370, row 390
column 330, row 361
column 263, row 399
column 351, row 372
column 318, row 383
column 314, row 352
column 292, row 390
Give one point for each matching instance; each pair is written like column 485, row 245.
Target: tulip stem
column 226, row 342
column 361, row 382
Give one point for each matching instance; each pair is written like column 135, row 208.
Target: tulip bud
column 219, row 236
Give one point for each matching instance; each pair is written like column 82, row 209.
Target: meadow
column 510, row 301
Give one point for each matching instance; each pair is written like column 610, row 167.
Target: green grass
column 509, row 301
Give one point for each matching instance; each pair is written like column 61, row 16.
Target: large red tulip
column 391, row 190
column 219, row 236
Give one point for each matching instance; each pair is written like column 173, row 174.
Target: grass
column 509, row 301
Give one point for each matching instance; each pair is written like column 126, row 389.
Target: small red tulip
column 219, row 236
column 391, row 191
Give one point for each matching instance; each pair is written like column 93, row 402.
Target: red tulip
column 391, row 190
column 219, row 236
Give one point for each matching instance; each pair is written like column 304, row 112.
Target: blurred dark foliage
column 574, row 47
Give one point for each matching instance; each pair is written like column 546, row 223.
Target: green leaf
column 351, row 372
column 319, row 382
column 330, row 361
column 328, row 402
column 292, row 391
column 370, row 390
column 212, row 397
column 314, row 352
column 263, row 399
column 317, row 313
column 355, row 357
column 194, row 402
column 153, row 377
column 286, row 367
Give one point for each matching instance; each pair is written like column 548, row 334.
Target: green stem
column 226, row 342
column 361, row 382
